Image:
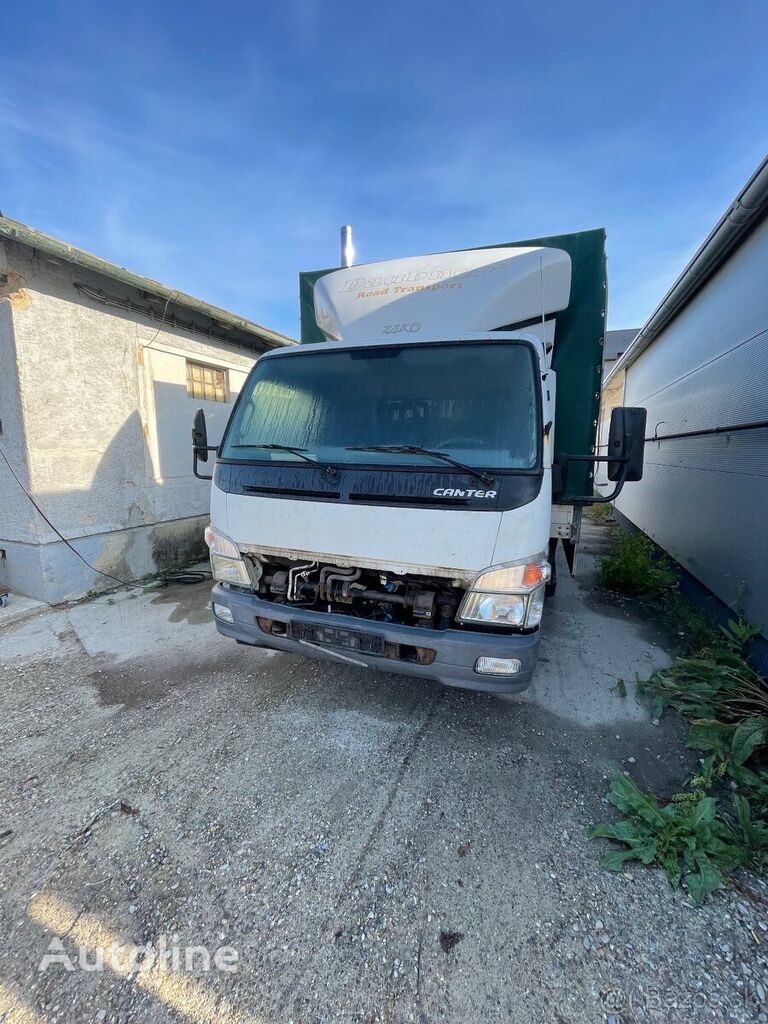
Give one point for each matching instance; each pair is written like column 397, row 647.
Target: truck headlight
column 508, row 595
column 503, row 609
column 227, row 565
column 535, row 607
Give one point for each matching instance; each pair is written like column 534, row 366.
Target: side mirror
column 626, row 442
column 200, row 435
column 200, row 446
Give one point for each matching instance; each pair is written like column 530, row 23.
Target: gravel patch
column 372, row 848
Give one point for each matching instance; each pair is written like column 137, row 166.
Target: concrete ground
column 370, row 847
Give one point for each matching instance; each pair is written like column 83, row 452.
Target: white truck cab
column 385, row 497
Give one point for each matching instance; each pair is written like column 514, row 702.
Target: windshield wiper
column 415, row 449
column 330, row 471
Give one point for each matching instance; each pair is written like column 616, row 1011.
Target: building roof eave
column 262, row 336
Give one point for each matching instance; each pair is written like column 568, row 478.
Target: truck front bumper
column 455, row 651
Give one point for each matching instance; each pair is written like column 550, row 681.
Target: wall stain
column 181, row 545
column 12, row 287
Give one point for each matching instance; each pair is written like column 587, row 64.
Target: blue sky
column 219, row 146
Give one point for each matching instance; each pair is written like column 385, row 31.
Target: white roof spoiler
column 444, row 295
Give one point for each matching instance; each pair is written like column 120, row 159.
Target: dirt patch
column 187, row 606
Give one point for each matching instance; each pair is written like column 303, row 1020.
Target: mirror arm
column 582, row 499
column 614, row 493
column 196, row 449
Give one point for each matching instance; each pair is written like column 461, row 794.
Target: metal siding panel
column 699, row 354
column 731, row 391
column 704, row 499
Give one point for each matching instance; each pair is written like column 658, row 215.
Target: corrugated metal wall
column 705, row 499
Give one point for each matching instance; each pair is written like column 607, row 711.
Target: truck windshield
column 475, row 401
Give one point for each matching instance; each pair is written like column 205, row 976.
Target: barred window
column 207, row 382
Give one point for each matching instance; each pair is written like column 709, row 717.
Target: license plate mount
column 338, row 636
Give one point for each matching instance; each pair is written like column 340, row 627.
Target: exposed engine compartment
column 410, row 600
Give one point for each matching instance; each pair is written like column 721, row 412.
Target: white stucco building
column 101, row 371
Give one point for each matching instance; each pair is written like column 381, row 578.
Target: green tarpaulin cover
column 578, row 354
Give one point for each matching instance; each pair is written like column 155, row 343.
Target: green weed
column 691, row 839
column 718, row 683
column 738, row 635
column 692, row 626
column 726, row 704
column 602, row 512
column 635, row 566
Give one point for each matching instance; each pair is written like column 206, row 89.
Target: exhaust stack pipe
column 347, row 249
